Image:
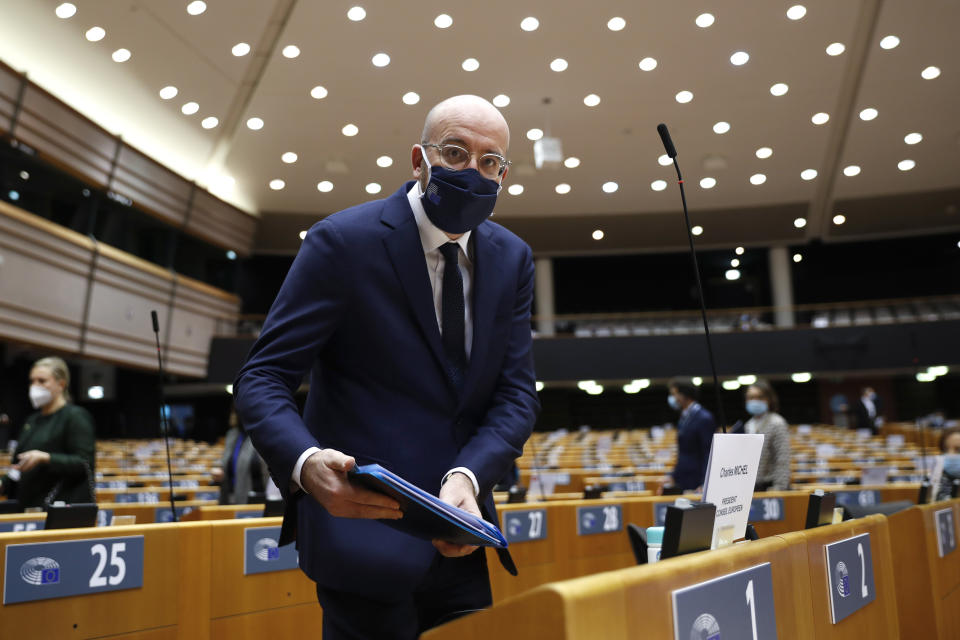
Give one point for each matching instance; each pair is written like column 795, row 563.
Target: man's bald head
column 475, row 111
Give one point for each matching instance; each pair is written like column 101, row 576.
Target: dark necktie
column 451, row 316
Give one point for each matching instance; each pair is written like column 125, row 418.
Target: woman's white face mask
column 40, row 396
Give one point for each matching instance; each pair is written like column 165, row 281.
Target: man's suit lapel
column 487, row 284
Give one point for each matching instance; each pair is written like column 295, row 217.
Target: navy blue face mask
column 458, row 201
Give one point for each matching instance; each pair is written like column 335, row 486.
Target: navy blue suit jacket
column 694, row 437
column 356, row 311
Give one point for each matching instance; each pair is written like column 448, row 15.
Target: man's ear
column 416, row 161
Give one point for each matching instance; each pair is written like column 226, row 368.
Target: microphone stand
column 164, row 423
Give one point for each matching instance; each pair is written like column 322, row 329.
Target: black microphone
column 672, row 153
column 164, row 423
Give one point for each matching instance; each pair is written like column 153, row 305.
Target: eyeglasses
column 455, row 157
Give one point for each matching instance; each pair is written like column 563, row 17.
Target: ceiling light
column 277, row 184
column 190, row 108
column 925, row 376
column 95, row 34
column 721, row 127
column 697, row 381
column 65, row 10
column 597, row 234
column 938, row 371
column 240, row 49
column 95, row 392
column 291, row 51
column 797, row 257
column 357, row 14
column 196, row 7
column 808, row 174
column 708, row 183
column 24, row 175
column 384, row 161
column 739, row 251
column 779, row 89
column 648, row 64
column 171, row 92
column 868, row 114
column 906, row 165
column 616, row 24
column 318, row 92
column 796, row 12
column 325, row 186
column 889, row 42
column 697, row 230
column 121, row 55
column 912, row 138
column 851, row 170
column 501, row 100
column 255, row 124
column 591, row 100
column 732, row 274
column 740, row 58
column 562, row 188
column 372, row 188
column 630, row 388
column 303, row 235
column 529, row 24
column 764, row 152
column 558, row 65
column 684, row 97
column 534, row 134
column 410, row 98
column 835, row 49
column 839, row 219
column 799, row 223
column 747, row 380
column 610, row 187
column 231, row 255
column 658, row 185
column 735, row 263
column 350, row 130
column 819, row 118
column 289, row 157
column 704, row 20
column 442, row 21
column 515, row 189
column 664, row 160
column 758, row 179
column 14, row 195
column 571, row 162
column 801, row 377
column 380, row 60
column 595, row 390
column 470, row 64
column 929, row 73
column 539, row 387
column 209, row 122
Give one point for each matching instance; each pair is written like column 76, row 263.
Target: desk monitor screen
column 10, row 506
column 688, row 529
column 71, row 516
column 820, row 509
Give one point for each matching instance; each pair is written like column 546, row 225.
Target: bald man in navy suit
column 411, row 315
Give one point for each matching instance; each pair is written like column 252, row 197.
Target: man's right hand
column 324, row 477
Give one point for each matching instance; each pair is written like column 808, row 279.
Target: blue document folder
column 426, row 516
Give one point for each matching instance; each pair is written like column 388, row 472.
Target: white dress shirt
column 432, row 239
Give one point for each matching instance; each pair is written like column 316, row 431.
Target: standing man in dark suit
column 412, row 316
column 695, row 430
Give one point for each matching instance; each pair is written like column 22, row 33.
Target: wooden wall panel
column 219, row 223
column 151, row 186
column 9, row 88
column 197, row 312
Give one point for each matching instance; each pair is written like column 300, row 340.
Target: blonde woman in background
column 762, row 405
column 54, row 459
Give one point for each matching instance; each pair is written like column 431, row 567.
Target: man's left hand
column 458, row 491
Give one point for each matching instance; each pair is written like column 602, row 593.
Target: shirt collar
column 431, row 237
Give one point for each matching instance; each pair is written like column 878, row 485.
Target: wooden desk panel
column 296, row 622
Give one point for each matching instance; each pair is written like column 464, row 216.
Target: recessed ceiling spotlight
column 558, row 65
column 835, row 49
column 906, row 165
column 764, row 152
column 779, row 89
column 731, row 274
column 799, row 223
column 889, row 42
column 808, row 174
column 758, row 179
column 373, row 187
column 171, row 92
column 610, row 187
column 735, row 263
column 819, row 118
column 930, row 73
column 380, row 60
column 196, row 7
column 277, row 184
column 839, row 219
column 209, row 122
column 534, row 134
column 255, row 124
column 189, row 108
column 912, row 138
column 868, row 114
column 740, row 58
column 721, row 127
column 515, row 189
column 357, row 14
column 95, row 34
column 470, row 64
column 121, row 55
column 591, row 100
column 66, row 10
column 562, row 188
column 658, row 185
column 240, row 49
column 739, row 251
column 704, row 20
column 303, row 235
column 571, row 162
column 697, row 230
column 318, row 92
column 442, row 21
column 289, row 157
column 664, row 160
column 350, row 130
column 384, row 161
column 708, row 183
column 798, row 257
column 291, row 51
column 410, row 97
column 648, row 64
column 597, row 234
column 851, row 170
column 616, row 24
column 684, row 97
column 529, row 24
column 796, row 12
column 501, row 100
column 325, row 186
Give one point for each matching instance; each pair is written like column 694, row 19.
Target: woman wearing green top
column 54, row 459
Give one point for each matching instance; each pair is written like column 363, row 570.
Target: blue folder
column 426, row 516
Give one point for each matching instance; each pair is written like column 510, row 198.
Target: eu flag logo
column 50, row 576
